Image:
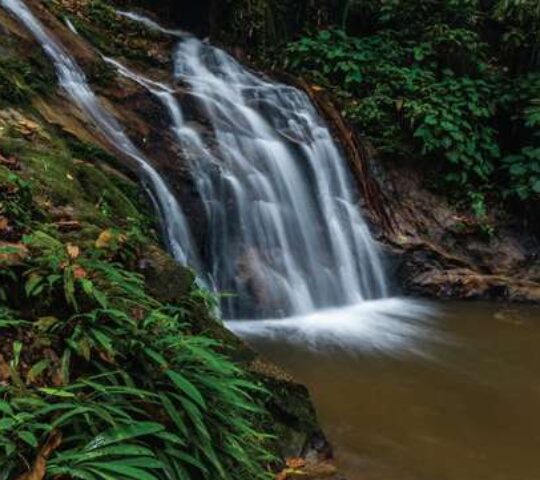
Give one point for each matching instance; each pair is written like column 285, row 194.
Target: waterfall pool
column 420, row 391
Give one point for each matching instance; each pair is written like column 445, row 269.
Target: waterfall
column 73, row 81
column 284, row 233
column 283, row 213
column 279, row 200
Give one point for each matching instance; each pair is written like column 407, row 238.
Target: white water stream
column 285, row 232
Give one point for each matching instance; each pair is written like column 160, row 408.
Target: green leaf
column 187, row 387
column 173, row 413
column 5, row 407
column 6, row 424
column 32, row 284
column 37, row 370
column 29, row 438
column 113, row 436
column 124, row 470
column 57, row 392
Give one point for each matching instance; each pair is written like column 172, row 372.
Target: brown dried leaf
column 104, row 239
column 73, row 251
column 79, row 273
column 296, row 463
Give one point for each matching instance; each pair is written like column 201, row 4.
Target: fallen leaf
column 79, row 273
column 296, row 462
column 3, row 223
column 73, row 251
column 68, row 225
column 104, row 239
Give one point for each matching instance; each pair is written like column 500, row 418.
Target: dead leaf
column 12, row 254
column 296, row 463
column 3, row 223
column 10, row 162
column 79, row 273
column 73, row 251
column 68, row 225
column 5, row 372
column 104, row 239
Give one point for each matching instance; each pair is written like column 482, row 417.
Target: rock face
column 440, row 252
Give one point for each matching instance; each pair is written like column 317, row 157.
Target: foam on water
column 386, row 325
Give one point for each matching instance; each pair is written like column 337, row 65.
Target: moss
column 116, row 173
column 16, row 205
column 23, row 75
column 112, row 35
column 101, row 192
column 86, row 189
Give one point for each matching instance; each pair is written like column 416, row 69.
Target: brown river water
column 450, row 392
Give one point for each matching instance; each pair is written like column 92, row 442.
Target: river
column 457, row 398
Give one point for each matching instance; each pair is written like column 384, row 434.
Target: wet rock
column 438, row 251
column 166, row 280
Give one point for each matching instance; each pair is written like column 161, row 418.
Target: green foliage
column 524, row 171
column 168, row 405
column 520, row 21
column 420, row 80
column 15, row 199
column 22, row 78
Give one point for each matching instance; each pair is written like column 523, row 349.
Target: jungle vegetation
column 453, row 84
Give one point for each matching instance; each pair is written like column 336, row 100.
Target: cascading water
column 284, row 224
column 73, row 80
column 284, row 230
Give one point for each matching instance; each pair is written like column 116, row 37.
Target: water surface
column 422, row 391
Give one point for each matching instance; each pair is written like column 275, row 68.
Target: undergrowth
column 99, row 380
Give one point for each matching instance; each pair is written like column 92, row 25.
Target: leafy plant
column 167, row 405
